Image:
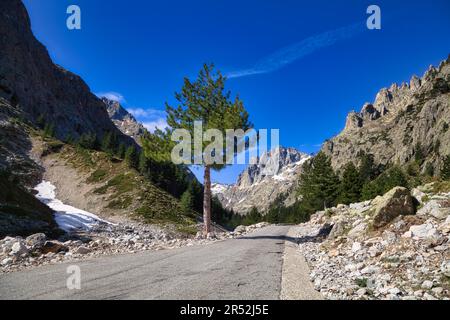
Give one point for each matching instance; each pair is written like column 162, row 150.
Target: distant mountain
column 404, row 123
column 124, row 120
column 275, row 174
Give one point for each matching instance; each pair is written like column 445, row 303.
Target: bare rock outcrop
column 41, row 89
column 402, row 119
column 124, row 120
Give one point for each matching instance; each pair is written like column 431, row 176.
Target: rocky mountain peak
column 271, row 163
column 124, row 120
column 401, row 118
column 259, row 185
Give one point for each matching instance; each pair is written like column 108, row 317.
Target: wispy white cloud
column 299, row 50
column 150, row 118
column 146, row 113
column 111, row 95
column 158, row 123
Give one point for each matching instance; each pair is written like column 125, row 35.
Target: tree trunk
column 207, row 201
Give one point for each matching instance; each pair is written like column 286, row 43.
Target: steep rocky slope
column 20, row 212
column 93, row 181
column 274, row 174
column 124, row 120
column 403, row 121
column 35, row 93
column 39, row 88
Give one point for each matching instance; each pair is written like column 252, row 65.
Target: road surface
column 246, row 268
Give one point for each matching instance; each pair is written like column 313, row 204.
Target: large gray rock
column 445, row 268
column 36, row 241
column 396, row 202
column 424, row 231
column 19, row 248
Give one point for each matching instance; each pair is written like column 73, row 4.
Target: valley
column 83, row 182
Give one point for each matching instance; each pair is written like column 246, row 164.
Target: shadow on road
column 319, row 237
column 283, row 238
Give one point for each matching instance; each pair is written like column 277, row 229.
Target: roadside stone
column 445, row 269
column 19, row 249
column 36, row 241
column 427, row 284
column 338, row 230
column 356, row 247
column 358, row 230
column 83, row 250
column 6, row 261
column 53, row 247
column 396, row 202
column 424, row 231
column 240, row 229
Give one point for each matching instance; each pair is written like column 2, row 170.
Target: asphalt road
column 245, row 268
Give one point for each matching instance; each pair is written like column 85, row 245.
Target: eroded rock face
column 396, row 202
column 401, row 118
column 39, row 88
column 275, row 173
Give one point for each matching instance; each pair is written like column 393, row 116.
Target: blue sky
column 298, row 82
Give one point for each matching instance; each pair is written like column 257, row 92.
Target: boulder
column 338, row 230
column 418, row 194
column 445, row 226
column 36, row 241
column 358, row 230
column 83, row 250
column 424, row 231
column 427, row 285
column 7, row 261
column 396, row 202
column 445, row 268
column 19, row 248
column 435, row 208
column 54, row 247
column 356, row 247
column 240, row 229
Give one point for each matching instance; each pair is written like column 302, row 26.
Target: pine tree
column 391, row 178
column 49, row 130
column 351, row 185
column 419, row 154
column 367, row 169
column 206, row 100
column 396, row 178
column 445, row 172
column 143, row 163
column 130, row 157
column 88, row 141
column 187, row 199
column 319, row 185
column 107, row 143
column 252, row 217
column 121, row 151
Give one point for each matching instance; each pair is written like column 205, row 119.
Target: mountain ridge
column 260, row 184
column 404, row 120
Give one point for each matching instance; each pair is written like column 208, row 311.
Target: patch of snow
column 67, row 217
